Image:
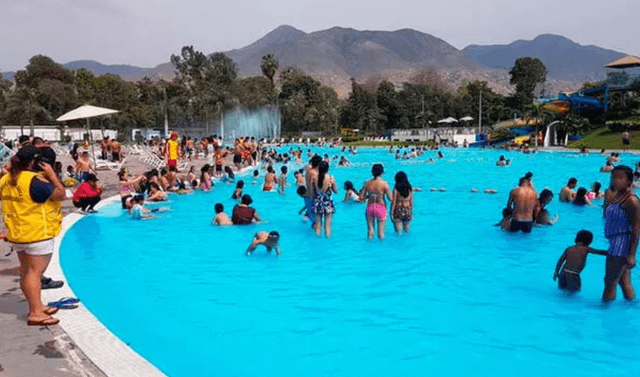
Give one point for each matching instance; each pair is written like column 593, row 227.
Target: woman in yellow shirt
column 31, row 194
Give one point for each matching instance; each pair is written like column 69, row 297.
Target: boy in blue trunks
column 573, row 261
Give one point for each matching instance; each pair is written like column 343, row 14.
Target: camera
column 44, row 155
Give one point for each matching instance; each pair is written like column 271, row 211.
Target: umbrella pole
column 93, row 152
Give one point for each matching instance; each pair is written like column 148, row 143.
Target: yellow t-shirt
column 172, row 145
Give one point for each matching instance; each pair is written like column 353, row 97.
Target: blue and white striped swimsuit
column 617, row 229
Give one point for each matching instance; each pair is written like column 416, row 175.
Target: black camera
column 44, row 155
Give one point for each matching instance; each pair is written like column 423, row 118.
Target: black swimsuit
column 524, row 226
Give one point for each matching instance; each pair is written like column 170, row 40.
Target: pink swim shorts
column 377, row 211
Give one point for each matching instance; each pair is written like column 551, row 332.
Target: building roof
column 625, row 62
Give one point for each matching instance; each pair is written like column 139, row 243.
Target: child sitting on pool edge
column 269, row 240
column 573, row 261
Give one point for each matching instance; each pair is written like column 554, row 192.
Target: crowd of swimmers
column 525, row 209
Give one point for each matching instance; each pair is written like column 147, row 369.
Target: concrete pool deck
column 80, row 345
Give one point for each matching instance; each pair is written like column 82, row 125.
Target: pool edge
column 110, row 354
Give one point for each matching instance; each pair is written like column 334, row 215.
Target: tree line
column 207, row 85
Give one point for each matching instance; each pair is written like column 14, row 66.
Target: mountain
column 7, row 75
column 350, row 53
column 335, row 55
column 124, row 71
column 564, row 59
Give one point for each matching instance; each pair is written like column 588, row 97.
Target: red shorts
column 172, row 163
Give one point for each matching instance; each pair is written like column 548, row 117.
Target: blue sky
column 146, row 32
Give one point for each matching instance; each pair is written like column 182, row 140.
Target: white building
column 52, row 133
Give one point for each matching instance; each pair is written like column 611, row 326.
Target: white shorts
column 34, row 248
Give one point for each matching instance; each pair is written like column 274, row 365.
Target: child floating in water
column 573, row 260
column 221, row 218
column 269, row 240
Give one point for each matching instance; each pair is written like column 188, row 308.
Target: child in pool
column 269, row 240
column 595, row 192
column 505, row 223
column 137, row 210
column 221, row 218
column 573, row 261
column 300, row 179
column 237, row 193
column 283, row 179
column 350, row 194
column 270, row 179
column 228, row 175
column 302, row 192
column 256, row 175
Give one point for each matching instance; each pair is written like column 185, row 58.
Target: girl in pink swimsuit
column 374, row 191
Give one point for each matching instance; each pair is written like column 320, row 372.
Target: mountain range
column 335, row 55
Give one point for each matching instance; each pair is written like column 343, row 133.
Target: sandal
column 64, row 301
column 49, row 321
column 50, row 311
column 52, row 284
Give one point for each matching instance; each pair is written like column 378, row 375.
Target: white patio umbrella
column 87, row 112
column 446, row 120
column 466, row 119
column 452, row 120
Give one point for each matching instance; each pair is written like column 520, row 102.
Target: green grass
column 603, row 138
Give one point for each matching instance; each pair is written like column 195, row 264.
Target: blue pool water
column 456, row 295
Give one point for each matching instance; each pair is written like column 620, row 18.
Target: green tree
column 525, row 75
column 224, row 70
column 253, row 92
column 194, row 67
column 23, row 108
column 390, row 106
column 84, row 82
column 5, row 91
column 42, row 67
column 50, row 84
column 269, row 66
column 305, row 104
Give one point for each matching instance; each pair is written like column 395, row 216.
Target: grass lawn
column 603, row 138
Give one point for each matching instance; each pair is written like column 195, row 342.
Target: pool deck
column 80, row 345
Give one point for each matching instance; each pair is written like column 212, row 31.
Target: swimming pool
column 454, row 296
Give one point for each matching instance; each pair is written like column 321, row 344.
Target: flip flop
column 52, row 284
column 65, row 301
column 60, row 305
column 49, row 321
column 51, row 311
